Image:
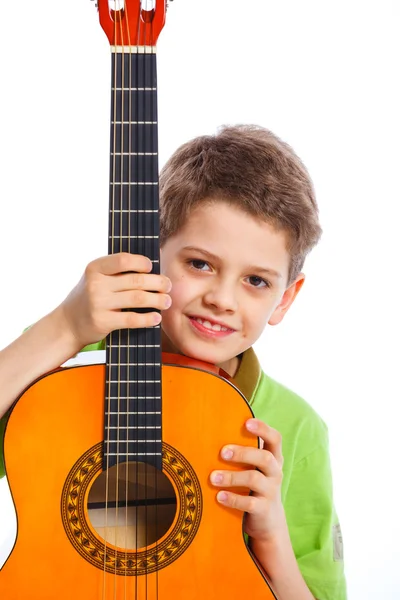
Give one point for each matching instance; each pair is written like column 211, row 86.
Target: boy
column 238, row 217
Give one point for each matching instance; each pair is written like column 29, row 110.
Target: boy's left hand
column 265, row 518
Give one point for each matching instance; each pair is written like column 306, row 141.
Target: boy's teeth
column 208, row 325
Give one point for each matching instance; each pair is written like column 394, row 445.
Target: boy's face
column 224, row 291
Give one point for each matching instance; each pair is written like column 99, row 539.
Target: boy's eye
column 200, row 265
column 258, row 281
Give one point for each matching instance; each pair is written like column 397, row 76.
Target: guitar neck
column 133, row 357
column 134, row 198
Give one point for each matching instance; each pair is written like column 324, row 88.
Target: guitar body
column 53, row 457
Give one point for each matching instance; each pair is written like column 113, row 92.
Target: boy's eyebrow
column 270, row 272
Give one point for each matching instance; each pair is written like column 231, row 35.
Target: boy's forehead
column 222, row 229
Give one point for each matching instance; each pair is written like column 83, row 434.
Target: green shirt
column 307, row 482
column 307, row 494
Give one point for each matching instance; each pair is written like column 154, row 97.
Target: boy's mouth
column 210, row 327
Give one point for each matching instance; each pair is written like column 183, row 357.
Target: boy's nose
column 221, row 297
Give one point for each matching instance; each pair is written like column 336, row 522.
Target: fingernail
column 222, row 497
column 157, row 319
column 168, row 302
column 216, row 477
column 252, row 425
column 226, row 453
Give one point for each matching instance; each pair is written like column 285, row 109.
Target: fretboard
column 133, row 357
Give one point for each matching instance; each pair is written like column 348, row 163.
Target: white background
column 323, row 76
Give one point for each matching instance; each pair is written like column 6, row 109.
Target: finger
column 272, row 439
column 251, row 479
column 249, row 504
column 121, row 262
column 261, row 459
column 140, row 281
column 138, row 299
column 133, row 320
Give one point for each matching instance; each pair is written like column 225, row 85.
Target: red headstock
column 132, row 22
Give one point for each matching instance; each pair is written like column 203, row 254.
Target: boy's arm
column 90, row 312
column 43, row 347
column 279, row 563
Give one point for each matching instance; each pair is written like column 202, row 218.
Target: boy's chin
column 197, row 352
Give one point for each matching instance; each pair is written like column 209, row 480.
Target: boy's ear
column 287, row 300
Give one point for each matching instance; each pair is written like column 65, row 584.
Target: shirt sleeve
column 314, row 526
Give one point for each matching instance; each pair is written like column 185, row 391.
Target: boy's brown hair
column 253, row 169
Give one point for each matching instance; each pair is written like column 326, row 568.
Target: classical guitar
column 109, row 465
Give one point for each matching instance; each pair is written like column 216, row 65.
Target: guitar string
column 111, row 337
column 137, row 334
column 156, row 254
column 157, row 332
column 118, row 17
column 120, row 247
column 146, row 192
column 128, row 361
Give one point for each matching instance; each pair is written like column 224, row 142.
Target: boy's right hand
column 109, row 284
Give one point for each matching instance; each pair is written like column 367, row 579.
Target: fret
column 136, row 413
column 139, row 399
column 135, row 381
column 128, row 436
column 129, row 169
column 133, row 49
column 126, row 447
column 135, row 364
column 125, row 419
column 134, row 89
column 135, row 154
column 124, row 337
column 134, row 105
column 143, row 427
column 132, row 222
column 133, row 71
column 130, row 442
column 133, row 122
column 134, row 139
column 137, row 246
column 123, row 454
column 132, row 370
column 136, row 385
column 141, row 197
column 134, row 397
column 135, row 237
column 133, row 406
column 138, row 353
column 135, row 346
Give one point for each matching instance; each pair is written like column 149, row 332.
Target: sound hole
column 132, row 505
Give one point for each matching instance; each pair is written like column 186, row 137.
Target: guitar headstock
column 132, row 22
